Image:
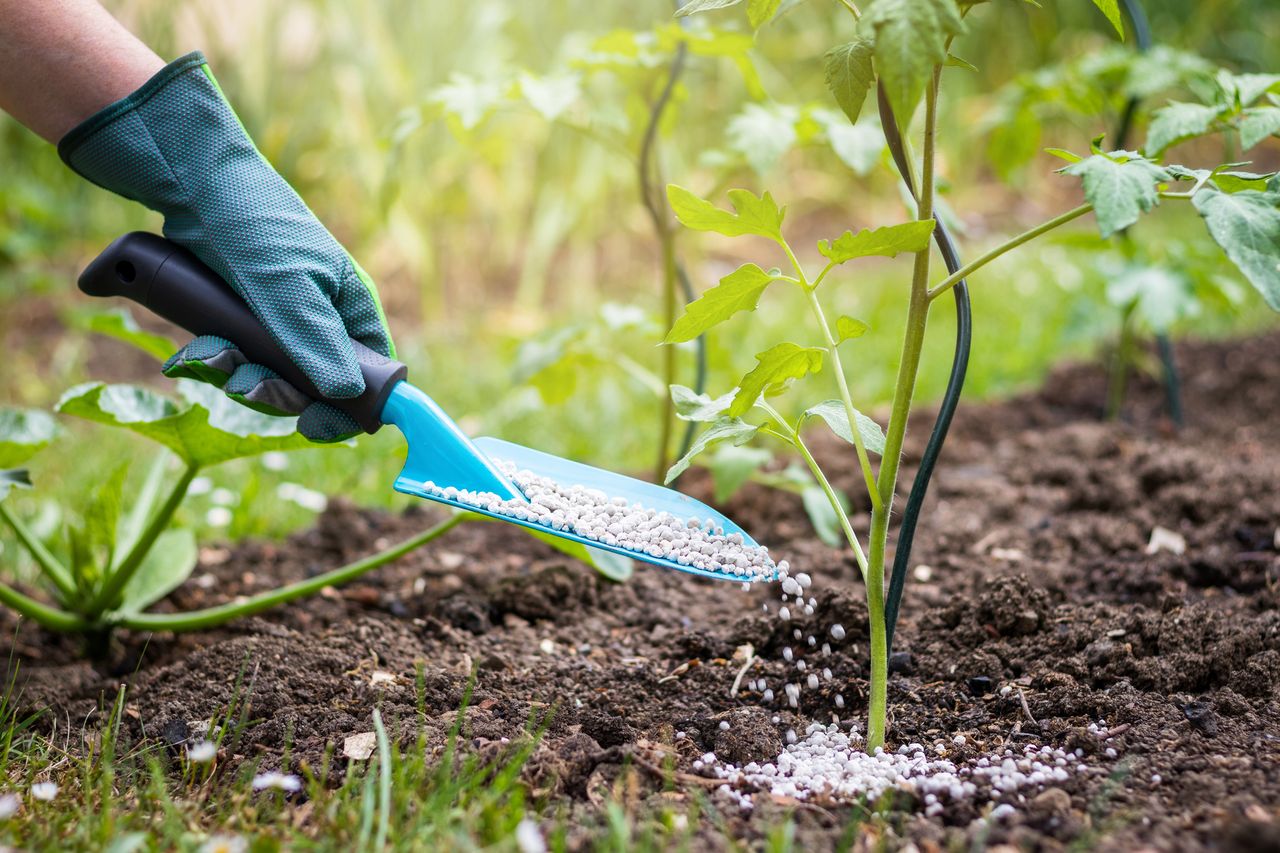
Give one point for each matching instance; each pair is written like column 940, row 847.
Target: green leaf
column 1246, row 225
column 118, row 323
column 1244, row 89
column 954, row 61
column 1160, row 297
column 849, row 74
column 752, row 214
column 13, row 478
column 1119, row 190
column 887, row 242
column 1111, row 8
column 613, row 566
column 775, row 368
column 857, row 145
column 1257, row 123
column 170, row 561
column 23, row 432
column 699, row 408
column 833, row 412
column 1233, row 182
column 734, row 430
column 732, row 466
column 740, row 290
column 910, row 39
column 694, row 6
column 848, row 328
column 761, row 12
column 1063, row 154
column 1177, row 122
column 823, row 516
column 208, row 429
column 762, row 134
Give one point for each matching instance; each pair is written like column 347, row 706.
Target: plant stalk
column 53, row 569
column 212, row 616
column 42, row 614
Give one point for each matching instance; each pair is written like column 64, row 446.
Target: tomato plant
column 900, row 50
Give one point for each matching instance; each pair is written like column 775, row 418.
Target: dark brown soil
column 1034, row 541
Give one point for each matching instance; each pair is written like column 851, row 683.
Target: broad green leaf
column 761, row 12
column 208, row 429
column 734, row 430
column 1246, row 225
column 694, row 6
column 699, row 408
column 143, row 503
column 1111, row 8
column 752, row 214
column 1233, row 182
column 170, row 561
column 910, row 39
column 1176, row 122
column 1160, row 297
column 732, row 466
column 833, row 412
column 740, row 290
column 887, row 242
column 823, row 516
column 850, row 74
column 13, row 478
column 762, row 134
column 23, row 432
column 118, row 323
column 1120, row 191
column 1257, row 123
column 849, row 327
column 775, row 368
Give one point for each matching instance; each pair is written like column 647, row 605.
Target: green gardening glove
column 176, row 146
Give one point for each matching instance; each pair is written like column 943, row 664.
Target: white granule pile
column 831, row 764
column 616, row 522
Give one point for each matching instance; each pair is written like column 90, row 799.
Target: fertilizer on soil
column 616, row 522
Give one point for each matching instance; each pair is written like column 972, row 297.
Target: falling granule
column 837, row 631
column 724, row 725
column 616, row 522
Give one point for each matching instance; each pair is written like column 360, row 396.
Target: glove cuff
column 68, row 144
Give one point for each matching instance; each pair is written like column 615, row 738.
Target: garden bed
column 1035, row 616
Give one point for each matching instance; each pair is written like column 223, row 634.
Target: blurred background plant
column 481, row 158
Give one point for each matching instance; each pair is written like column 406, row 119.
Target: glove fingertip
column 325, row 424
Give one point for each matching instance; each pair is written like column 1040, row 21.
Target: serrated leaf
column 169, row 562
column 694, row 6
column 752, row 214
column 1177, row 122
column 118, row 323
column 699, row 408
column 1244, row 89
column 848, row 328
column 731, row 466
column 762, row 134
column 775, row 368
column 1246, row 225
column 23, row 432
column 1160, row 297
column 761, row 12
column 1256, row 124
column 910, row 39
column 833, row 412
column 1111, row 8
column 14, row 478
column 1120, row 191
column 849, row 74
column 208, row 429
column 740, row 290
column 886, row 242
column 733, row 430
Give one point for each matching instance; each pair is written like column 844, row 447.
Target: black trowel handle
column 172, row 283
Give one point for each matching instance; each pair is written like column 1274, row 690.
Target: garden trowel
column 171, row 282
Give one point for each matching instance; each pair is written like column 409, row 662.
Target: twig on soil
column 1022, row 697
column 748, row 651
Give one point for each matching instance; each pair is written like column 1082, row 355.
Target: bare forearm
column 63, row 60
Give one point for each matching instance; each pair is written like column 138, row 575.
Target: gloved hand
column 176, row 146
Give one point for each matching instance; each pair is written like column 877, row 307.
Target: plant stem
column 52, row 568
column 42, row 614
column 904, row 390
column 1013, row 243
column 211, row 616
column 833, row 347
column 116, row 581
column 1121, row 359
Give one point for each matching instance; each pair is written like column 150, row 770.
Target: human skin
column 61, row 61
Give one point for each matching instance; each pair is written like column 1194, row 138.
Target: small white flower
column 9, row 805
column 279, row 781
column 529, row 837
column 218, row 516
column 201, row 752
column 223, row 843
column 44, row 791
